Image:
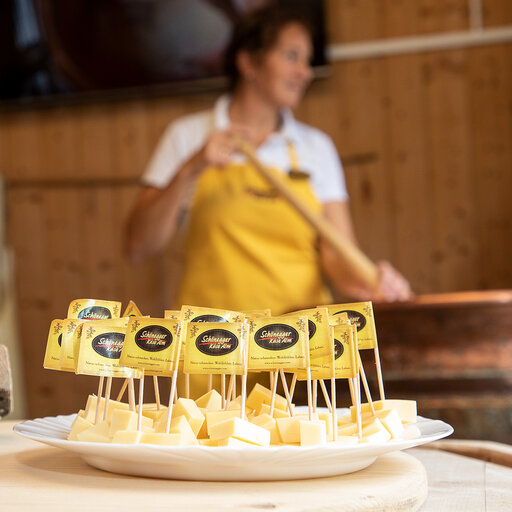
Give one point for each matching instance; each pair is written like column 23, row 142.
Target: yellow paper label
column 200, row 314
column 360, row 314
column 346, row 360
column 52, row 354
column 100, row 350
column 94, row 309
column 152, row 345
column 278, row 342
column 70, row 342
column 257, row 313
column 339, row 319
column 172, row 314
column 132, row 310
column 213, row 347
column 318, row 330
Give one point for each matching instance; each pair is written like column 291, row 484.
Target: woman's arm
column 392, row 285
column 156, row 214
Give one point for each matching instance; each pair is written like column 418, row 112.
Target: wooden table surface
column 34, row 476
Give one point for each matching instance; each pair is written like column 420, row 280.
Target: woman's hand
column 392, row 284
column 220, row 146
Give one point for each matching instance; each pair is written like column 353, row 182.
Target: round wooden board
column 45, row 478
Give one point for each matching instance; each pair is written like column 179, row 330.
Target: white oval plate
column 226, row 463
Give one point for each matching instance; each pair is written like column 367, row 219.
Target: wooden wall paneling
column 410, row 170
column 353, row 20
column 361, row 86
column 497, row 12
column 94, row 157
column 434, row 16
column 491, row 114
column 131, row 146
column 455, row 245
column 20, row 144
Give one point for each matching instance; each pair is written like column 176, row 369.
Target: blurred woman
column 246, row 247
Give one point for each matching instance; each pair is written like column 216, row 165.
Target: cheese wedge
column 79, row 425
column 211, row 401
column 242, row 430
column 262, row 395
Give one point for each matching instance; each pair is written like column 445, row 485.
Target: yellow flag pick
column 152, row 345
column 215, row 348
column 132, row 310
column 94, row 309
column 53, row 345
column 278, row 342
column 359, row 314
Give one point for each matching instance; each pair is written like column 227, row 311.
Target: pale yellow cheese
column 188, row 408
column 289, row 429
column 163, row 439
column 347, row 430
column 181, row 426
column 151, row 411
column 406, row 408
column 277, row 413
column 127, row 420
column 241, row 429
column 79, row 425
column 263, row 420
column 98, row 433
column 326, row 417
column 211, row 401
column 214, row 417
column 127, row 437
column 391, row 420
column 233, row 442
column 275, row 437
column 90, row 408
column 207, row 442
column 262, row 395
column 312, row 432
column 372, row 429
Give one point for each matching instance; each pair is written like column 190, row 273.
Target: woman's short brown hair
column 258, row 32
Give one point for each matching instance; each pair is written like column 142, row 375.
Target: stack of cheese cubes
column 204, row 422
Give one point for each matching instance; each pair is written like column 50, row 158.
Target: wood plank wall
column 426, row 142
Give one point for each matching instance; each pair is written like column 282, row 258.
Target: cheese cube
column 127, row 437
column 241, row 429
column 211, row 401
column 375, row 437
column 235, row 404
column 233, row 442
column 151, row 411
column 407, row 409
column 79, row 425
column 391, row 420
column 275, row 438
column 98, row 433
column 347, row 430
column 365, row 409
column 188, row 408
column 289, row 429
column 181, row 426
column 262, row 395
column 312, row 432
column 207, row 442
column 214, row 417
column 90, row 408
column 277, row 413
column 326, row 417
column 263, row 420
column 173, row 439
column 343, row 420
column 371, row 429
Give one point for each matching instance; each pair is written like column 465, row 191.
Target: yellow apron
column 246, row 247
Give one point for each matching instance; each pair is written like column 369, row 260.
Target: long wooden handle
column 357, row 262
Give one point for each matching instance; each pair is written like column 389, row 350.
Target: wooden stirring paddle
column 360, row 265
